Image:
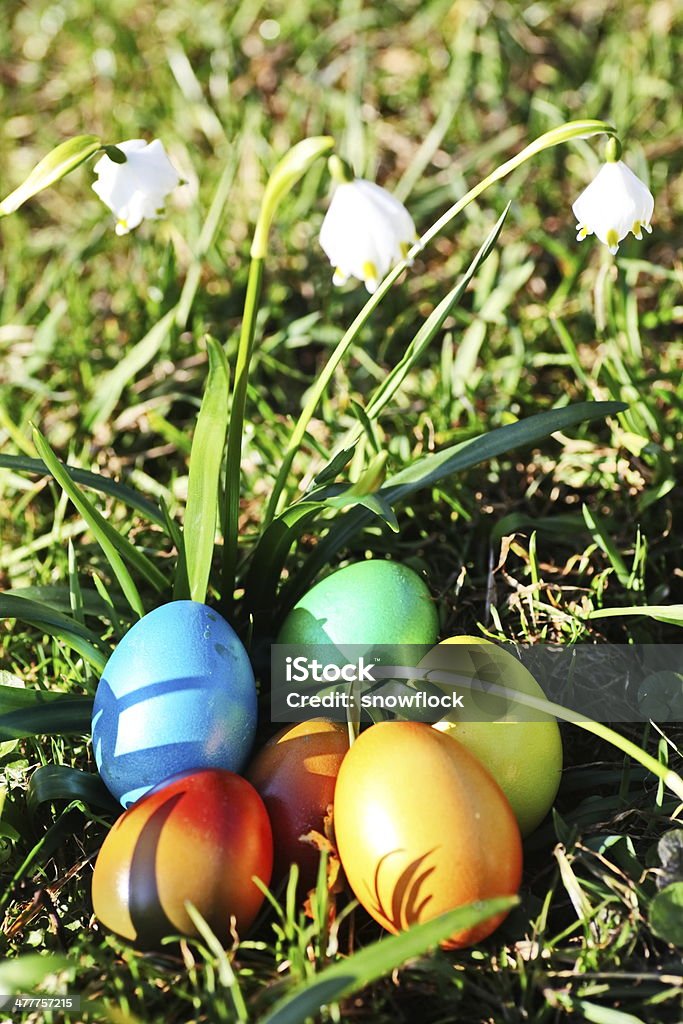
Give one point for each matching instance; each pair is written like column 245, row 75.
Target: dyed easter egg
column 520, row 747
column 176, row 695
column 422, row 828
column 200, row 837
column 367, row 603
column 295, row 773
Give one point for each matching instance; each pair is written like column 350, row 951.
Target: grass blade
column 111, row 385
column 206, row 459
column 382, row 957
column 117, row 549
column 602, row 537
column 432, row 324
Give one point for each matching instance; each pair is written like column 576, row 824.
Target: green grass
column 426, row 98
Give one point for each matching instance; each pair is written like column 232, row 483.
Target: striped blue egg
column 177, row 695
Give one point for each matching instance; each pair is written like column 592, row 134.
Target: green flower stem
column 286, row 174
column 670, row 778
column 556, row 136
column 235, row 427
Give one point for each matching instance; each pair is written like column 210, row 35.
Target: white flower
column 615, row 202
column 365, row 232
column 138, row 188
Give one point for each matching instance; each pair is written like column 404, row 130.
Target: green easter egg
column 365, row 604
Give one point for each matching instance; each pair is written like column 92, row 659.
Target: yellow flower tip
column 613, row 241
column 404, row 249
column 339, row 277
column 637, row 229
column 122, row 227
column 582, row 231
column 648, row 228
column 370, row 276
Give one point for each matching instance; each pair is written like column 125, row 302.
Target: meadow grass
column 426, row 98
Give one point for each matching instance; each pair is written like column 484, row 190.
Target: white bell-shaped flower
column 615, row 202
column 136, row 189
column 365, row 232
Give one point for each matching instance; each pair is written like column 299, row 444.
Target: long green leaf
column 103, row 484
column 432, row 324
column 272, row 550
column 279, row 535
column 206, row 458
column 55, row 623
column 432, row 468
column 117, row 549
column 348, row 976
column 42, row 714
column 59, row 162
column 670, row 613
column 56, row 596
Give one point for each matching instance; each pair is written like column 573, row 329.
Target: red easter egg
column 200, row 837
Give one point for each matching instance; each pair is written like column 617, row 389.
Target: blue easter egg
column 177, row 695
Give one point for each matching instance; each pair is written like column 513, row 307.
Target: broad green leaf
column 593, row 1013
column 206, row 459
column 334, row 466
column 123, row 493
column 362, row 968
column 561, row 526
column 78, row 637
column 30, row 712
column 432, row 468
column 58, row 163
column 117, row 549
column 666, row 914
column 374, row 503
column 59, row 782
column 272, row 550
column 6, row 747
column 670, row 613
column 25, row 973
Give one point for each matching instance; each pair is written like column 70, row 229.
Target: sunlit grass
column 427, row 98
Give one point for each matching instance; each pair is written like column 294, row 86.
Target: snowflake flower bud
column 365, row 232
column 136, row 189
column 614, row 203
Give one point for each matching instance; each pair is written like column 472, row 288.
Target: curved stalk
column 556, row 136
column 669, row 778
